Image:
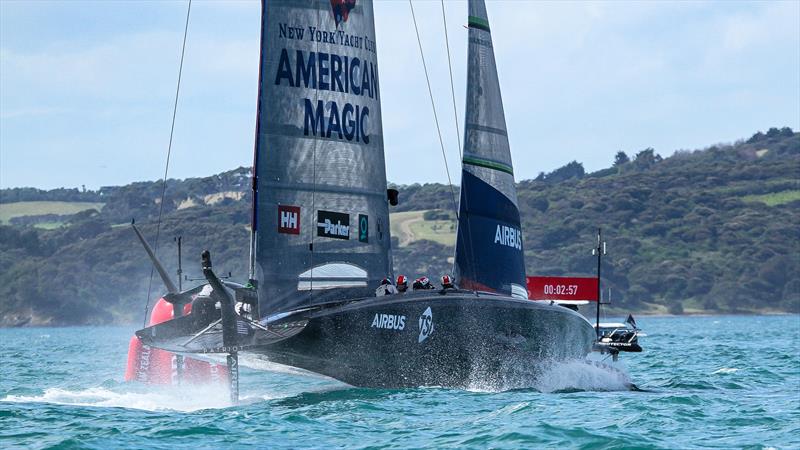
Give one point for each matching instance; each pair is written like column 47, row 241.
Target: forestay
column 320, row 220
column 489, row 251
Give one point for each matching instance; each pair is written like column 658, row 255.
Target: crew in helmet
column 386, row 288
column 402, row 284
column 447, row 282
column 422, row 283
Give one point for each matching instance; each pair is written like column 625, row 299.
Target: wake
column 554, row 377
column 185, row 398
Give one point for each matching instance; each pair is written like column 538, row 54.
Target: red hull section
column 155, row 366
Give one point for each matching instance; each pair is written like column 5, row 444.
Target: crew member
column 402, row 284
column 422, row 283
column 447, row 282
column 386, row 288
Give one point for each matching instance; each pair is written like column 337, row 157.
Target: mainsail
column 320, row 218
column 489, row 255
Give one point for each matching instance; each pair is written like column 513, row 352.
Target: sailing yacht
column 320, row 229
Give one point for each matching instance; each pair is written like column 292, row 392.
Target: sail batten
column 489, row 251
column 320, row 175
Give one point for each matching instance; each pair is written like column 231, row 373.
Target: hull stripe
column 476, row 127
column 480, row 162
column 477, row 22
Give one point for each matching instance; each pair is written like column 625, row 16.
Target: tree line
column 713, row 230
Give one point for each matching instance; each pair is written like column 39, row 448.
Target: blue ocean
column 706, row 382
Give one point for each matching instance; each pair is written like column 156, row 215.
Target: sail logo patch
column 508, row 236
column 389, row 322
column 333, row 225
column 425, row 325
column 341, row 10
column 288, row 219
column 363, row 228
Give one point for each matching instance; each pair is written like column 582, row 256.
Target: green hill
column 713, row 230
column 43, row 209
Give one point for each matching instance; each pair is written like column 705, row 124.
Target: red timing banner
column 562, row 288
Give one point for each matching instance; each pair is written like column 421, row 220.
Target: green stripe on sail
column 477, row 22
column 471, row 160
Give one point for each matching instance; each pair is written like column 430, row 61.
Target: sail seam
column 471, row 160
column 477, row 22
column 476, row 127
column 308, row 187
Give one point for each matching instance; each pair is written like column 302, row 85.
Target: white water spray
column 583, row 375
column 185, row 398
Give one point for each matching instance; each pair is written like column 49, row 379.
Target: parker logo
column 333, row 225
column 341, row 10
column 288, row 219
column 425, row 325
column 389, row 321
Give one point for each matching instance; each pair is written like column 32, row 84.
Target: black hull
column 457, row 339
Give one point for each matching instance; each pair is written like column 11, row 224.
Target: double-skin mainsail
column 321, row 219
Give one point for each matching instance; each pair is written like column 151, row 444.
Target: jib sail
column 489, row 255
column 320, row 219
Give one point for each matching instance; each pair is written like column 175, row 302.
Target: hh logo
column 341, row 10
column 288, row 219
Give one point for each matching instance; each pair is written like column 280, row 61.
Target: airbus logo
column 508, row 236
column 389, row 322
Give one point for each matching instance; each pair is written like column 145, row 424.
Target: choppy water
column 722, row 382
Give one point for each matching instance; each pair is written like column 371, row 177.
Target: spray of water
column 553, row 376
column 583, row 375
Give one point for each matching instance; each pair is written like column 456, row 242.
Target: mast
column 251, row 266
column 489, row 253
column 599, row 251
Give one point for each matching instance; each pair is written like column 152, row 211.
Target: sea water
column 706, row 382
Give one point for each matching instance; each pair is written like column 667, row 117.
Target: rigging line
column 311, row 217
column 169, row 152
column 458, row 134
column 433, row 107
column 452, row 89
column 470, row 251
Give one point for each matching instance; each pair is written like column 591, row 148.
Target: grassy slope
column 21, row 209
column 774, row 199
column 411, row 226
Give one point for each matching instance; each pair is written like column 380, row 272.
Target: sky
column 87, row 88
